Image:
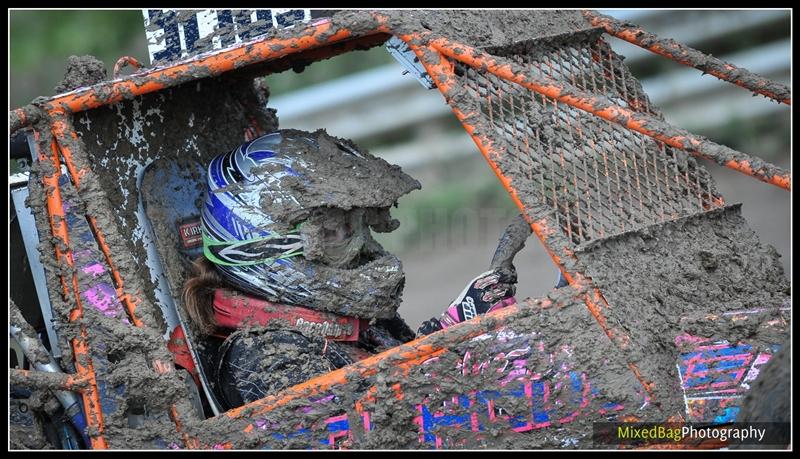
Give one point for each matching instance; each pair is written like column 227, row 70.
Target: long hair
column 198, row 294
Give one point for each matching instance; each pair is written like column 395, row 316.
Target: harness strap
column 235, row 310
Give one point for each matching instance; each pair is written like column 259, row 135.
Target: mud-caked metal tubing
column 115, row 91
column 317, row 36
column 66, row 139
column 193, row 69
column 125, row 61
column 46, row 380
column 402, row 358
column 44, row 372
column 690, row 57
column 543, row 225
column 65, row 135
column 603, row 107
column 80, row 348
column 23, row 117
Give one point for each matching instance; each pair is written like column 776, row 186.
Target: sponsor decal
column 190, row 234
column 323, row 329
column 177, row 34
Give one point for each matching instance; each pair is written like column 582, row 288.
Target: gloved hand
column 489, row 291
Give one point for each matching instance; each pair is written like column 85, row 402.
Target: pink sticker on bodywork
column 104, row 299
column 95, row 270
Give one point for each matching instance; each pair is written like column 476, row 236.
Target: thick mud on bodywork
column 497, row 29
column 129, row 362
column 689, row 287
column 541, row 380
column 191, row 123
column 770, row 398
column 187, row 124
column 685, row 290
column 698, row 338
column 537, row 383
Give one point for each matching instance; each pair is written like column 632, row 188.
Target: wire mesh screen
column 601, row 178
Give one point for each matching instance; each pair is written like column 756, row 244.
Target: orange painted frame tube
column 604, row 108
column 83, row 362
column 691, row 57
column 63, row 132
column 199, row 67
column 22, row 117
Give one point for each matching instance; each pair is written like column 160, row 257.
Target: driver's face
column 341, row 228
column 335, row 237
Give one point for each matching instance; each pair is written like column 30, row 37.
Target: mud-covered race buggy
column 673, row 305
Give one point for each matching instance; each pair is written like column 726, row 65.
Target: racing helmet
column 287, row 217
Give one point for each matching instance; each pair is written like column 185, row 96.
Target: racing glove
column 489, row 291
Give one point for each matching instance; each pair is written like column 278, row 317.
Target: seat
column 171, row 192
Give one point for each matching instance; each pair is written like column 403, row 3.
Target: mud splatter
column 183, row 124
column 337, row 174
column 769, row 399
column 497, row 28
column 82, row 71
